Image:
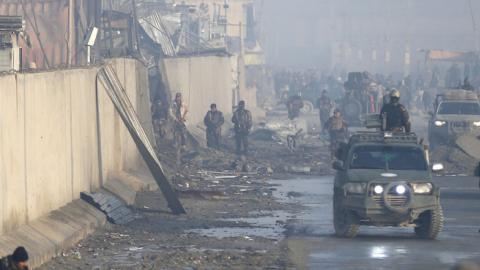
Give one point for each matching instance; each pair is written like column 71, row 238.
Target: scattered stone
column 265, row 135
column 267, row 170
column 293, row 194
column 298, row 169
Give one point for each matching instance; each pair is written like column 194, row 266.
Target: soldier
column 454, row 76
column 294, row 105
column 180, row 113
column 427, row 100
column 17, row 261
column 242, row 120
column 397, row 118
column 214, row 121
column 324, row 105
column 467, row 85
column 338, row 131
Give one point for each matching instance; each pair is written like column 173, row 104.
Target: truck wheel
column 342, row 221
column 430, row 223
column 307, row 107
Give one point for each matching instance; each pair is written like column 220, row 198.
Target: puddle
column 263, row 224
column 271, row 224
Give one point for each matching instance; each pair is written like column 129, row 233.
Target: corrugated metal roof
column 156, row 30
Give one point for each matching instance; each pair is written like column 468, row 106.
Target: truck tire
column 430, row 223
column 307, row 107
column 343, row 222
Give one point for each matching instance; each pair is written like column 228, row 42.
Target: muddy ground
column 233, row 219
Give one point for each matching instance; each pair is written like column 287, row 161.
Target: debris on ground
column 264, row 134
column 116, row 211
column 454, row 160
column 232, row 219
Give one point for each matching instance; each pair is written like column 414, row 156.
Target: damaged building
column 57, row 105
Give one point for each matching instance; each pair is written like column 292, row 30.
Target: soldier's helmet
column 395, row 93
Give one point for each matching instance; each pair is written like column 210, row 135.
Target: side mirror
column 338, row 165
column 430, row 113
column 437, row 167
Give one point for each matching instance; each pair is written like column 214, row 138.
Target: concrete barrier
column 202, row 80
column 60, row 135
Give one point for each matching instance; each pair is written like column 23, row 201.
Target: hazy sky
column 374, row 33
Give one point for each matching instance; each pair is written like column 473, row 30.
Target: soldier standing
column 179, row 111
column 294, row 105
column 214, row 121
column 338, row 131
column 395, row 114
column 427, row 100
column 324, row 105
column 242, row 120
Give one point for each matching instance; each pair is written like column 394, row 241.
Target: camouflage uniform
column 398, row 119
column 338, row 129
column 324, row 105
column 180, row 129
column 242, row 119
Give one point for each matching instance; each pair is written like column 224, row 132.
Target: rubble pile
column 455, row 160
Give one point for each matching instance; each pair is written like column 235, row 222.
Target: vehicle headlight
column 378, row 189
column 476, row 123
column 422, row 188
column 440, row 123
column 400, row 189
column 355, row 188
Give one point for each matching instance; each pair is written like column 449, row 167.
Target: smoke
column 375, row 35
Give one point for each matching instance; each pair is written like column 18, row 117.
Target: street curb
column 50, row 235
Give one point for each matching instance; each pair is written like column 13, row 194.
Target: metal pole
column 474, row 24
column 71, row 32
column 89, row 48
column 134, row 26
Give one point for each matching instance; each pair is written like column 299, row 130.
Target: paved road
column 386, row 248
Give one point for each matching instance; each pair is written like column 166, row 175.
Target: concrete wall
column 201, row 80
column 56, row 140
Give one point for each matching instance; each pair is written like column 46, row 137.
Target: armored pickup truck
column 384, row 179
column 456, row 112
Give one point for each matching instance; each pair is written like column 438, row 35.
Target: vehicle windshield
column 389, row 157
column 468, row 108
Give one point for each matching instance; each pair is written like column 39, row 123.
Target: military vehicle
column 362, row 96
column 384, row 179
column 456, row 112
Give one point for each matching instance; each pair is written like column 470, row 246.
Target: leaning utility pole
column 134, row 27
column 474, row 24
column 71, row 33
